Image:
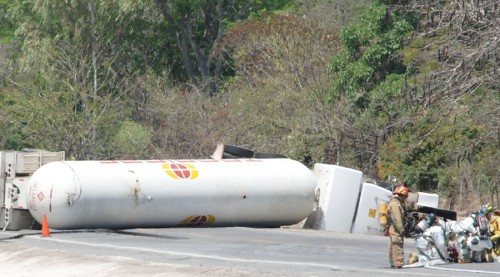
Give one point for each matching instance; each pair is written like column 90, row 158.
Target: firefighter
column 495, row 232
column 395, row 215
column 481, row 244
column 488, row 210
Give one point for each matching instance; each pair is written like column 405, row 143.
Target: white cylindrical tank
column 166, row 193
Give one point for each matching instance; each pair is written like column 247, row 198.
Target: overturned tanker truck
column 236, row 187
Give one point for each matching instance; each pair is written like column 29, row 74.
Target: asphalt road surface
column 233, row 251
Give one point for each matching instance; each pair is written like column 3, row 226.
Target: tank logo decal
column 33, row 190
column 197, row 220
column 372, row 213
column 41, row 196
column 181, row 170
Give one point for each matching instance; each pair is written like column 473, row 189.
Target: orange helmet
column 402, row 190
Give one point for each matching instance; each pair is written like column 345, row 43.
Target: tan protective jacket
column 495, row 232
column 395, row 215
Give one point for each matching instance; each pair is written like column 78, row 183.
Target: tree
column 68, row 86
column 199, row 27
column 184, row 124
column 451, row 95
column 332, row 15
column 368, row 77
column 277, row 97
column 6, row 24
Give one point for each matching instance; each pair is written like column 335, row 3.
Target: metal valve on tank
column 425, row 223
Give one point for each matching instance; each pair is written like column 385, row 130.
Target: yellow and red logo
column 181, row 170
column 197, row 220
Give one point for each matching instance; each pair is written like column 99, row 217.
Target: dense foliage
column 403, row 89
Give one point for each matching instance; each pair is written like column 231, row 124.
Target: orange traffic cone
column 45, row 227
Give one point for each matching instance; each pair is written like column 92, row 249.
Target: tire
column 237, row 152
column 268, row 156
column 446, row 214
column 226, row 156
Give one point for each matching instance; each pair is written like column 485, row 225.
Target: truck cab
column 16, row 168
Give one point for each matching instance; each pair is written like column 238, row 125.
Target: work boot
column 413, row 258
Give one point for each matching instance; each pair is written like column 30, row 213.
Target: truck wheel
column 237, row 152
column 268, row 156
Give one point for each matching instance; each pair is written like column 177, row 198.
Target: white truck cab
column 16, row 168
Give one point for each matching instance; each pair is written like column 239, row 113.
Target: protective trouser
column 496, row 245
column 396, row 253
